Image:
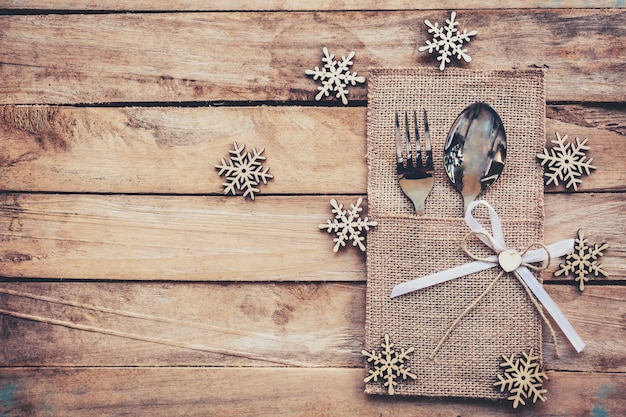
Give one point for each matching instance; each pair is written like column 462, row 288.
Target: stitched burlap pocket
column 405, row 246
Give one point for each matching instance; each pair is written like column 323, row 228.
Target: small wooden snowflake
column 447, row 41
column 348, row 225
column 388, row 365
column 522, row 378
column 243, row 171
column 566, row 162
column 335, row 76
column 583, row 261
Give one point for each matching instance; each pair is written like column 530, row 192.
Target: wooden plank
column 175, row 150
column 286, row 5
column 609, row 117
column 261, row 324
column 597, row 314
column 270, row 392
column 178, row 238
column 145, row 324
column 604, row 128
column 227, row 239
column 601, row 216
column 101, row 58
column 171, row 150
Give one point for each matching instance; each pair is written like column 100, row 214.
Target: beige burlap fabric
column 404, row 246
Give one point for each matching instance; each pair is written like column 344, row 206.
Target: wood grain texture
column 185, row 238
column 320, row 5
column 171, row 150
column 599, row 315
column 260, row 324
column 609, row 117
column 175, row 150
column 610, row 172
column 145, row 324
column 226, row 239
column 601, row 216
column 269, row 392
column 101, row 58
column 185, row 302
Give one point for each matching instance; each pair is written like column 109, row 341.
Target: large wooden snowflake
column 522, row 378
column 243, row 171
column 448, row 41
column 348, row 225
column 335, row 76
column 388, row 365
column 583, row 261
column 566, row 162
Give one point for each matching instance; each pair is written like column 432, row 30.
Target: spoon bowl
column 475, row 150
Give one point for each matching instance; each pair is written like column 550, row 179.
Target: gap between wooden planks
column 274, row 238
column 309, row 150
column 271, row 392
column 260, row 324
column 260, row 56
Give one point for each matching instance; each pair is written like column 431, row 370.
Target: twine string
column 496, row 242
column 486, row 236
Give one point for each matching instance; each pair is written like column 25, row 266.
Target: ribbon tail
column 439, row 277
column 551, row 307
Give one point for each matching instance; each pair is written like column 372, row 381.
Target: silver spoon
column 475, row 150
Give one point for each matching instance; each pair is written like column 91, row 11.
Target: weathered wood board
column 264, row 325
column 190, row 57
column 286, row 5
column 274, row 238
column 271, row 392
column 174, row 150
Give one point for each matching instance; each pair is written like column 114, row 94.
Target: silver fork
column 416, row 178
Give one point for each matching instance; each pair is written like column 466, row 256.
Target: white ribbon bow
column 496, row 242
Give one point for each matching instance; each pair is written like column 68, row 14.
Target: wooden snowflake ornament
column 583, row 261
column 522, row 378
column 243, row 171
column 566, row 162
column 348, row 225
column 335, row 76
column 447, row 41
column 388, row 365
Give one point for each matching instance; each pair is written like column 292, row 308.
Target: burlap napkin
column 404, row 246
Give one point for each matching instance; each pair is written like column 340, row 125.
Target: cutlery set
column 473, row 155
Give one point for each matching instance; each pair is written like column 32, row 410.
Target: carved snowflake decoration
column 388, row 365
column 447, row 41
column 335, row 76
column 566, row 162
column 243, row 171
column 583, row 261
column 522, row 378
column 348, row 225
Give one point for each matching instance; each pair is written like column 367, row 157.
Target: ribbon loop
column 546, row 259
column 522, row 269
column 497, row 240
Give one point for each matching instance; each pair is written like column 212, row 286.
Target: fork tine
column 399, row 160
column 418, row 148
column 409, row 153
column 429, row 152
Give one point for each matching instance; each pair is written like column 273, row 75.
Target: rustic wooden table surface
column 131, row 286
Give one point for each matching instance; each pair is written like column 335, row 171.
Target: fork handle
column 417, row 191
